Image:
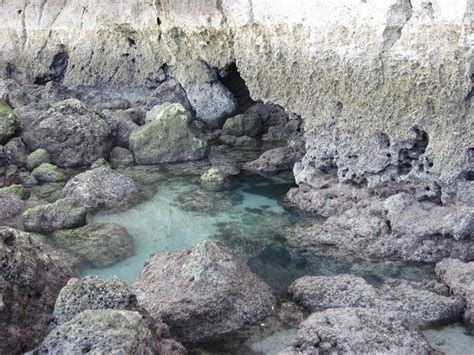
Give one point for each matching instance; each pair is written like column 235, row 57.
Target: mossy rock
column 36, row 158
column 214, row 180
column 8, row 122
column 17, row 190
column 46, row 172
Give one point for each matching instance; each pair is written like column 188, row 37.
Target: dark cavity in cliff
column 57, row 69
column 230, row 78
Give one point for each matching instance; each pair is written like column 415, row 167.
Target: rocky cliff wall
column 384, row 86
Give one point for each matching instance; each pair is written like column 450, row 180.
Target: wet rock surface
column 29, row 284
column 95, row 244
column 202, row 292
column 102, row 188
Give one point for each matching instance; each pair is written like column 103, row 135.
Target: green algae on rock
column 214, row 180
column 8, row 122
column 36, row 158
column 168, row 137
column 47, row 172
column 17, row 190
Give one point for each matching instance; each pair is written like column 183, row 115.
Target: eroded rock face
column 102, row 187
column 357, row 330
column 202, row 292
column 459, row 277
column 168, row 137
column 29, row 284
column 72, row 134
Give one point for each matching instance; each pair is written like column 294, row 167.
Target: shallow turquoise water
column 250, row 221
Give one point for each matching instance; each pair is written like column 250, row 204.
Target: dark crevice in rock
column 57, row 69
column 407, row 155
column 231, row 79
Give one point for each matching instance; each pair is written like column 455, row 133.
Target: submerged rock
column 62, row 214
column 357, row 330
column 92, row 293
column 36, row 158
column 46, row 172
column 214, row 180
column 168, row 137
column 103, row 331
column 102, row 188
column 98, row 245
column 72, row 134
column 243, row 125
column 203, row 201
column 8, row 122
column 459, row 277
column 29, row 284
column 202, row 292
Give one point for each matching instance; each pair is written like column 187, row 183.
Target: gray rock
column 322, row 292
column 10, row 206
column 73, row 134
column 244, row 142
column 168, row 137
column 61, row 214
column 121, row 156
column 243, row 125
column 202, row 292
column 459, row 277
column 16, row 151
column 169, row 92
column 211, row 100
column 8, row 122
column 101, row 188
column 359, row 331
column 101, row 331
column 46, row 172
column 124, row 127
column 98, row 245
column 100, row 163
column 271, row 114
column 92, row 293
column 36, row 158
column 29, row 284
column 275, row 160
column 118, row 103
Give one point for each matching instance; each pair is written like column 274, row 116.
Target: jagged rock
column 16, row 151
column 102, row 331
column 243, row 125
column 29, row 284
column 124, row 127
column 46, row 172
column 169, row 92
column 17, row 190
column 36, row 158
column 168, row 137
column 61, row 214
column 10, row 206
column 275, row 160
column 322, row 292
column 92, row 293
column 98, row 245
column 211, row 100
column 202, row 292
column 72, row 134
column 459, row 277
column 121, row 156
column 8, row 122
column 214, row 180
column 102, row 188
column 357, row 330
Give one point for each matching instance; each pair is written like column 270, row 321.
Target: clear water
column 250, row 221
column 451, row 340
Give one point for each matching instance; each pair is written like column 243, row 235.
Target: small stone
column 38, row 157
column 48, row 173
column 214, row 180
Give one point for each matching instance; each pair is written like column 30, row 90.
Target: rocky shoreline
column 376, row 125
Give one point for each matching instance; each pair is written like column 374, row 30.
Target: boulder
column 214, row 180
column 275, row 160
column 169, row 92
column 16, row 151
column 102, row 188
column 30, row 281
column 168, row 137
column 322, row 292
column 92, row 293
column 357, row 331
column 124, row 126
column 10, row 206
column 243, row 125
column 73, row 134
column 46, row 172
column 36, row 158
column 98, row 245
column 202, row 292
column 210, row 99
column 61, row 214
column 8, row 122
column 459, row 277
column 102, row 331
column 121, row 156
column 243, row 142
